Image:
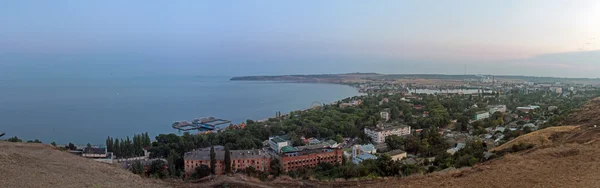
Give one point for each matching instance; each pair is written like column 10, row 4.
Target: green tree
column 275, row 167
column 137, row 168
column 339, row 138
column 71, row 146
column 173, row 157
column 157, row 169
column 227, row 161
column 213, row 160
column 14, row 139
column 201, row 171
column 394, row 142
column 53, row 144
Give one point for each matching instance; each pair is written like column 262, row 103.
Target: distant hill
column 25, row 165
column 353, row 76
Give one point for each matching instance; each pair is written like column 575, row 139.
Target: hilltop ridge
column 38, row 165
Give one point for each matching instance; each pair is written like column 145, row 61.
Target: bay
column 88, row 110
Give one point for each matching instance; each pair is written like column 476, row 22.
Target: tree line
column 125, row 148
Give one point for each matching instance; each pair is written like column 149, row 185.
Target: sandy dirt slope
column 25, row 165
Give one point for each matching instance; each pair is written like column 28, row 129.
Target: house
column 383, row 101
column 361, row 153
column 331, row 143
column 527, row 109
column 481, row 115
column 459, row 146
column 497, row 108
column 418, row 107
column 351, row 103
column 368, row 148
column 363, row 156
column 409, row 161
column 396, row 154
column 379, row 133
column 278, row 142
column 385, row 116
column 551, row 108
column 313, row 141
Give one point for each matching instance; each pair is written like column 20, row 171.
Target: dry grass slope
column 25, row 165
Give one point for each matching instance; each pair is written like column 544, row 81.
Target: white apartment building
column 379, row 133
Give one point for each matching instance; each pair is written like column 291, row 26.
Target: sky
column 269, row 37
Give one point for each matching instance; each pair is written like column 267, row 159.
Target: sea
column 88, row 110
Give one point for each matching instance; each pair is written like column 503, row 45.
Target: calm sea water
column 89, row 110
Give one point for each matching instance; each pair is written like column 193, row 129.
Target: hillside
column 564, row 156
column 37, row 165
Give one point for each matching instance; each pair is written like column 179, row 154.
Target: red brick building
column 309, row 158
column 240, row 160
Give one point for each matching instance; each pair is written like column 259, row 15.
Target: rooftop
column 387, row 127
column 288, row 149
column 395, row 152
column 220, row 154
column 368, row 147
column 278, row 139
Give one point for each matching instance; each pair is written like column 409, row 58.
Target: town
column 390, row 131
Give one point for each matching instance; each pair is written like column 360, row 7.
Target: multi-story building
column 240, row 159
column 379, row 133
column 385, row 116
column 278, row 142
column 309, row 158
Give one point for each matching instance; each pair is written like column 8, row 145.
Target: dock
column 198, row 124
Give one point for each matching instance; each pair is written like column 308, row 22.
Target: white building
column 481, row 115
column 276, row 143
column 379, row 133
column 385, row 116
column 558, row 90
column 497, row 108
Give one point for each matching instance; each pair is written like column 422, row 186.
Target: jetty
column 198, row 124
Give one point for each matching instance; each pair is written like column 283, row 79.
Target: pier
column 204, row 123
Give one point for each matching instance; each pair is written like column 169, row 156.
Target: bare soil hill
column 538, row 138
column 25, row 165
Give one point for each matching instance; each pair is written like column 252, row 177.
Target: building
column 396, row 154
column 240, row 159
column 368, row 148
column 497, row 108
column 309, row 158
column 481, row 115
column 550, row 108
column 383, row 101
column 379, row 133
column 91, row 152
column 453, row 150
column 313, row 141
column 278, row 142
column 385, row 116
column 351, row 103
column 331, row 143
column 361, row 153
column 527, row 109
column 558, row 90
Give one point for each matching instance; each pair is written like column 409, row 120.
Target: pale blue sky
column 96, row 38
